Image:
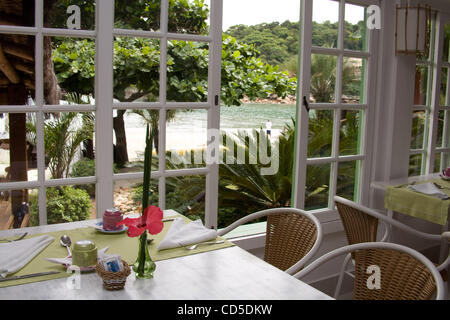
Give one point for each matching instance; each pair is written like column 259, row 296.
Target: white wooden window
column 101, row 30
column 327, row 163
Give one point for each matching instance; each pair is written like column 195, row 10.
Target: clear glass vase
column 144, row 267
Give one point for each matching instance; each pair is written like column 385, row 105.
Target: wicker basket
column 113, row 280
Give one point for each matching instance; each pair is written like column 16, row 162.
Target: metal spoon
column 65, row 242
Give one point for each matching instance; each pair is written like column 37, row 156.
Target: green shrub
column 64, row 204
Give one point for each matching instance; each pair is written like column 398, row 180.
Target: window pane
column 349, row 140
column 128, row 195
column 73, row 81
column 418, row 129
column 17, row 207
column 68, row 137
column 17, row 75
column 323, row 78
column 138, row 15
column 355, row 28
column 186, row 138
column 17, row 13
column 353, row 74
column 446, row 54
column 18, row 147
column 320, row 133
column 443, row 100
column 187, row 71
column 325, row 23
column 65, row 14
column 186, row 195
column 441, row 161
column 136, row 69
column 346, row 180
column 129, row 139
column 317, row 186
column 440, row 129
column 421, row 85
column 70, row 203
column 415, row 165
column 181, row 15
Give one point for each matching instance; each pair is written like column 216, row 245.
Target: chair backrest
column 359, row 226
column 402, row 277
column 289, row 237
column 402, row 272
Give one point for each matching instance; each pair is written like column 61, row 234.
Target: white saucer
column 444, row 177
column 99, row 227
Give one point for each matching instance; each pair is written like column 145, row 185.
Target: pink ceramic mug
column 110, row 218
column 446, row 172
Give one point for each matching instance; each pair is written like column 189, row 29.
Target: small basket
column 113, row 280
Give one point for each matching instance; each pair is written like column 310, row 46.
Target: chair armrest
column 446, row 236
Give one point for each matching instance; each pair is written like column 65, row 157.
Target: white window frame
column 302, row 161
column 104, row 106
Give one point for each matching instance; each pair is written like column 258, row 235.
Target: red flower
column 151, row 220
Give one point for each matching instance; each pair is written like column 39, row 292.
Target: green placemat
column 118, row 244
column 419, row 205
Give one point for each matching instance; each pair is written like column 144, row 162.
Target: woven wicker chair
column 293, row 236
column 361, row 225
column 402, row 272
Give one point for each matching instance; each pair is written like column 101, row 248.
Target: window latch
column 305, row 103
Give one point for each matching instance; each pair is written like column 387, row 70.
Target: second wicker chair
column 293, row 236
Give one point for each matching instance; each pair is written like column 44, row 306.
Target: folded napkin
column 15, row 255
column 101, row 254
column 429, row 189
column 181, row 234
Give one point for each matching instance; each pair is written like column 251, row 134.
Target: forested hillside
column 278, row 42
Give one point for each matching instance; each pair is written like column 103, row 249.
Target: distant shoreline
column 273, row 99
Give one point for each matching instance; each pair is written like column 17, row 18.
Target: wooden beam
column 19, row 66
column 19, row 51
column 7, row 69
column 9, row 20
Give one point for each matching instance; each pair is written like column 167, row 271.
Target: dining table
column 415, row 204
column 224, row 272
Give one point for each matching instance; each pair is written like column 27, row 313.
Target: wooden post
column 17, row 95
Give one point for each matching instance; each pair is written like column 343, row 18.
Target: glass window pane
column 325, row 23
column 446, row 54
column 68, row 137
column 441, row 161
column 129, row 139
column 350, row 134
column 320, row 133
column 73, row 81
column 186, row 138
column 17, row 75
column 323, row 78
column 418, row 129
column 65, row 14
column 355, row 28
column 415, row 165
column 128, row 195
column 138, row 15
column 136, row 69
column 317, row 186
column 353, row 80
column 440, row 129
column 347, row 180
column 421, row 85
column 18, row 155
column 187, row 71
column 189, row 16
column 444, row 98
column 18, row 208
column 70, row 203
column 17, row 13
column 186, row 195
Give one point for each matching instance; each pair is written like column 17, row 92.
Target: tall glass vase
column 144, row 267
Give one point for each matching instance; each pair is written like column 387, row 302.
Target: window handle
column 305, row 103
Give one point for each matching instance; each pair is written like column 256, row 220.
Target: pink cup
column 446, row 172
column 110, row 219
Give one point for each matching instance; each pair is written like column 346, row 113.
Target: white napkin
column 101, row 254
column 181, row 234
column 429, row 189
column 15, row 255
